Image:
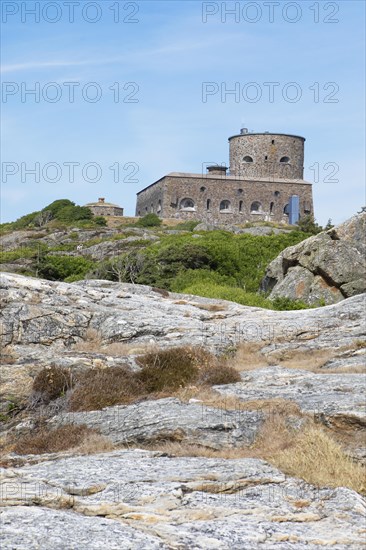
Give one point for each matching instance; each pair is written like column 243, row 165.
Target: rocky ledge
column 139, row 499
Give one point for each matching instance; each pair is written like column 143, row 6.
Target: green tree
column 307, row 224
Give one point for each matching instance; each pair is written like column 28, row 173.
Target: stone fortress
column 265, row 183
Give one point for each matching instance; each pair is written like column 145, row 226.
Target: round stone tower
column 266, row 155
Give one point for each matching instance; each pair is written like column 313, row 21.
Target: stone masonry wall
column 272, row 197
column 151, row 199
column 104, row 210
column 266, row 150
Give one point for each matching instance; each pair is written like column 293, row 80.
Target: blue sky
column 159, row 55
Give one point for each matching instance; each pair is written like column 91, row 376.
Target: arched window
column 187, row 204
column 286, row 209
column 208, row 204
column 240, row 206
column 256, row 207
column 240, row 191
column 225, row 206
column 203, row 189
column 247, row 158
column 271, row 208
column 145, row 208
column 276, row 193
column 284, row 160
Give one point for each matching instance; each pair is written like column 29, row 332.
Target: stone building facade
column 266, row 171
column 102, row 208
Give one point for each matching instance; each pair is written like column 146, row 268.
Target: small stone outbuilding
column 102, row 208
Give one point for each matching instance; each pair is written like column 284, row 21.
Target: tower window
column 266, row 157
column 240, row 191
column 240, row 206
column 271, row 208
column 255, row 207
column 286, row 209
column 225, row 206
column 285, row 160
column 208, row 204
column 159, row 206
column 272, row 141
column 247, row 158
column 276, row 193
column 203, row 189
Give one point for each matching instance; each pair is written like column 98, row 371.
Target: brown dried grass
column 55, row 440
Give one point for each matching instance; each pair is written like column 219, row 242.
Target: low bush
column 162, row 372
column 168, row 369
column 150, row 220
column 51, row 383
column 52, row 441
column 285, row 304
column 99, row 388
column 225, row 292
column 60, row 268
column 100, row 220
column 189, row 225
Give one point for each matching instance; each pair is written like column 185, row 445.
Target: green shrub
column 59, row 268
column 285, row 304
column 189, row 225
column 74, row 213
column 150, row 220
column 51, row 382
column 56, row 206
column 191, row 277
column 223, row 292
column 99, row 220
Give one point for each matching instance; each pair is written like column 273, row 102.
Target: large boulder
column 323, row 269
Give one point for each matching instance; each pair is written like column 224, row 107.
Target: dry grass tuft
column 53, row 441
column 311, row 455
column 164, row 293
column 93, row 343
column 210, row 307
column 99, row 388
column 94, row 443
column 315, row 457
column 52, row 382
column 249, row 356
column 303, row 358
